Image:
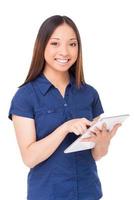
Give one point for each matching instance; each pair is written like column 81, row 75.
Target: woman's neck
column 58, row 79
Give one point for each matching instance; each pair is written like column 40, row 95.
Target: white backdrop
column 107, row 32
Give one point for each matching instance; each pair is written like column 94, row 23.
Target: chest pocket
column 83, row 111
column 47, row 120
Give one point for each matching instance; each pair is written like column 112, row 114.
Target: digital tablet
column 79, row 145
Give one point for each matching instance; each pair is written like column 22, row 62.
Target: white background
column 107, row 32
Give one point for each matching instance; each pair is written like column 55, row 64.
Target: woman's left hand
column 102, row 138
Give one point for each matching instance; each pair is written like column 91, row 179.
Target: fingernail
column 104, row 125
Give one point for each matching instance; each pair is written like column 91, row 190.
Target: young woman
column 50, row 110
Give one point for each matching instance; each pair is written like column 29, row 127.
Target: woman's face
column 62, row 49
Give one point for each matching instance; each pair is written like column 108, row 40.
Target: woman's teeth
column 62, row 61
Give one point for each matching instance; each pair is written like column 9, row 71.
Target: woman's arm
column 102, row 139
column 33, row 152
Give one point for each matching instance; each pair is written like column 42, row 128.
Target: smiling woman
column 61, row 52
column 50, row 110
column 60, row 36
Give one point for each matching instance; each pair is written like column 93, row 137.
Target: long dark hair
column 38, row 62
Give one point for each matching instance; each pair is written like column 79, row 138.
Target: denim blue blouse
column 62, row 176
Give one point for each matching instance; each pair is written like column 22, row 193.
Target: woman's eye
column 54, row 43
column 73, row 44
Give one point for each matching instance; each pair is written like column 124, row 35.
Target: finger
column 93, row 122
column 76, row 131
column 93, row 133
column 83, row 128
column 104, row 127
column 87, row 122
column 114, row 130
column 118, row 125
column 89, row 139
column 96, row 131
column 79, row 130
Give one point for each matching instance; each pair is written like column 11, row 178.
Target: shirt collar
column 44, row 84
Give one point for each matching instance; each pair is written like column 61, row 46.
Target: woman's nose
column 63, row 50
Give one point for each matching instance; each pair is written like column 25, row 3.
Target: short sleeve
column 97, row 108
column 22, row 103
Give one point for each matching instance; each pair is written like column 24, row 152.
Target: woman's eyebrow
column 55, row 38
column 59, row 38
column 73, row 39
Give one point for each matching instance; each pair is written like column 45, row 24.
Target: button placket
column 66, row 97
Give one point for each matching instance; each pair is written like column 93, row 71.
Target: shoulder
column 22, row 103
column 24, row 93
column 89, row 89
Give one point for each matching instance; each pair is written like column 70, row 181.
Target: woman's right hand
column 77, row 126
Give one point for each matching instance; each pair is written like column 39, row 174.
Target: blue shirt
column 62, row 176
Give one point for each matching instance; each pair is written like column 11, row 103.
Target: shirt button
column 65, row 104
column 49, row 111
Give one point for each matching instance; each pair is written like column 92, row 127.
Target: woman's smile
column 62, row 61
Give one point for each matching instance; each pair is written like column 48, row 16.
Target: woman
column 50, row 110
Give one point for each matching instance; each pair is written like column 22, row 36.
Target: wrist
column 64, row 128
column 99, row 151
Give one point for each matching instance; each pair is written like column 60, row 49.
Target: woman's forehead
column 64, row 31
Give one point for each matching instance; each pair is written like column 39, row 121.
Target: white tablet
column 79, row 145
